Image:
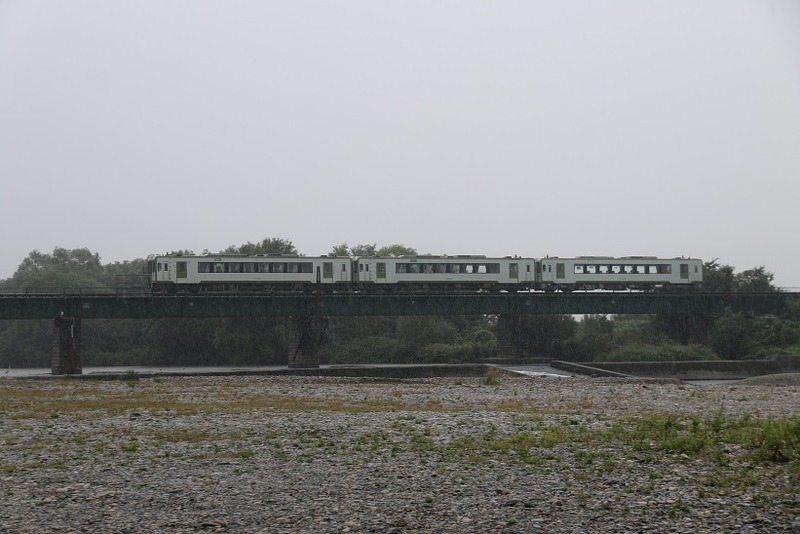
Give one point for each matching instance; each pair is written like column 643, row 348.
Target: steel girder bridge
column 308, row 313
column 103, row 306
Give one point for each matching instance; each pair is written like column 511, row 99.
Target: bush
column 639, row 352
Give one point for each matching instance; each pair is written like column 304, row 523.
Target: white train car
column 225, row 271
column 631, row 272
column 455, row 271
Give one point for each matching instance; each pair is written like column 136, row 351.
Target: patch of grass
column 491, row 378
column 130, row 446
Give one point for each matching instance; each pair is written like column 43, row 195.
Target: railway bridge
column 307, row 311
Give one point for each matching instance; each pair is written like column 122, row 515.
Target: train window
column 344, row 267
column 204, row 267
column 414, row 268
column 159, row 266
column 591, row 269
column 616, row 269
column 249, row 267
column 579, row 269
column 401, row 268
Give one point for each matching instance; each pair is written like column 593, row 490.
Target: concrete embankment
column 687, row 370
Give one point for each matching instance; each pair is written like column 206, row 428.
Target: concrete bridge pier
column 66, row 346
column 305, row 335
column 511, row 341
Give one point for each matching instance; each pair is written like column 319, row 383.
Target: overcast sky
column 535, row 128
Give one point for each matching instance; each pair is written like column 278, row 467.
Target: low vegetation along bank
column 306, row 454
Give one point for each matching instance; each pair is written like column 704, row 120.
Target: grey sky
column 533, row 128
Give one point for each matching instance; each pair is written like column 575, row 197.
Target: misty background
column 530, row 128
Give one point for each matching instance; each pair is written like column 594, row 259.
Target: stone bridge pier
column 511, row 340
column 66, row 346
column 305, row 335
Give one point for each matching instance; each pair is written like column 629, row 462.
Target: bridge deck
column 104, row 306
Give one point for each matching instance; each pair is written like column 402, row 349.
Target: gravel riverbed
column 274, row 454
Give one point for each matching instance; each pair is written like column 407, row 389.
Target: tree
column 731, row 336
column 722, row 279
column 396, row 251
column 717, row 278
column 363, row 250
column 77, row 268
column 755, row 280
column 340, row 250
column 270, row 245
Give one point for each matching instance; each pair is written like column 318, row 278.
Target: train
column 173, row 273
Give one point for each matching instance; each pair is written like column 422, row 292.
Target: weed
column 131, row 446
column 490, row 379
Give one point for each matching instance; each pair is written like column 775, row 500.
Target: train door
column 181, row 271
column 364, row 272
column 530, row 272
column 513, row 272
column 163, row 272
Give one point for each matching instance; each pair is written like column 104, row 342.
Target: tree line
column 451, row 339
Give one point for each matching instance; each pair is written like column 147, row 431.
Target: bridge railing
column 72, row 291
